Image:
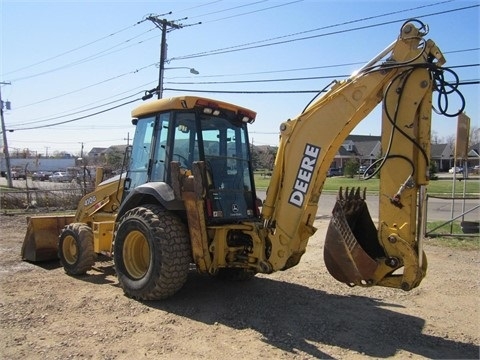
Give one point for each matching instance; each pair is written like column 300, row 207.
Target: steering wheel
column 182, row 160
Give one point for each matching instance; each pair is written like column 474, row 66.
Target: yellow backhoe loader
column 188, row 195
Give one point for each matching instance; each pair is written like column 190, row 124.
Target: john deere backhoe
column 189, row 195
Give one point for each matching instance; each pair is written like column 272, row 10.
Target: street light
column 192, row 70
column 160, row 76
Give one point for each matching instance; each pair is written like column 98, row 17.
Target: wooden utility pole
column 5, row 144
column 165, row 26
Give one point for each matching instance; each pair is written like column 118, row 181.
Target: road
column 438, row 209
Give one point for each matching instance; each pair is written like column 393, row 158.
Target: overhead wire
column 74, row 49
column 253, row 11
column 95, row 56
column 87, row 87
column 77, row 112
column 198, row 6
column 228, row 9
column 78, row 118
column 259, row 92
column 84, row 106
column 333, row 25
column 469, row 82
column 251, row 45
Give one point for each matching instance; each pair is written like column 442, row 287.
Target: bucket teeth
column 351, row 246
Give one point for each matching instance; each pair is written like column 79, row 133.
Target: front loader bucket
column 351, row 244
column 41, row 239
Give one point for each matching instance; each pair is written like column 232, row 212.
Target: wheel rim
column 136, row 254
column 70, row 250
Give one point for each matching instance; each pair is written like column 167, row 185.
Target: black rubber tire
column 75, row 248
column 235, row 274
column 151, row 252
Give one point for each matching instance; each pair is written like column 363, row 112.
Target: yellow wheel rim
column 69, row 249
column 136, row 254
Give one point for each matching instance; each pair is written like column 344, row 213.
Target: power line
column 77, row 112
column 334, row 25
column 257, row 81
column 198, row 6
column 225, row 82
column 56, row 115
column 223, row 75
column 254, row 11
column 74, row 49
column 78, row 118
column 463, row 82
column 87, row 87
column 108, row 52
column 249, row 46
column 245, row 91
column 228, row 9
column 230, row 82
column 282, row 79
column 95, row 56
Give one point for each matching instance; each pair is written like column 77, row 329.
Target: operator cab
column 190, row 129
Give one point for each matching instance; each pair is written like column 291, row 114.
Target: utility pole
column 165, row 26
column 5, row 144
column 127, row 138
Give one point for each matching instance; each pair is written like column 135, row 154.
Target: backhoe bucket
column 351, row 244
column 41, row 239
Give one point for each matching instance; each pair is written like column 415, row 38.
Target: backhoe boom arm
column 308, row 144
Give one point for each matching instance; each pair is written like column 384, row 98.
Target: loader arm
column 357, row 253
column 98, row 209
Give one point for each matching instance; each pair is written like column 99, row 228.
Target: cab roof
column 183, row 103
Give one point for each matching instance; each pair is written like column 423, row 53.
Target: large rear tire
column 75, row 249
column 151, row 252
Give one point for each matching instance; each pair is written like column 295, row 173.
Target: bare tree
column 474, row 136
column 450, row 140
column 435, row 138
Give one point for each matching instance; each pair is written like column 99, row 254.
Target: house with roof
column 363, row 148
column 97, row 152
column 442, row 156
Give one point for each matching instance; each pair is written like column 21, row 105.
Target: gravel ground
column 301, row 313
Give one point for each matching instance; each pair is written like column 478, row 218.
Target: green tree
column 351, row 168
column 114, row 160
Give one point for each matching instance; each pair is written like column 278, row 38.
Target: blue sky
column 68, row 59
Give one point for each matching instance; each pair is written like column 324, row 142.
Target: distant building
column 363, row 148
column 38, row 164
column 442, row 156
column 97, row 152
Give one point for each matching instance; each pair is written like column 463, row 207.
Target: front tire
column 151, row 252
column 75, row 249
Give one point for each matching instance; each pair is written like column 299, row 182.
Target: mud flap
column 41, row 239
column 351, row 244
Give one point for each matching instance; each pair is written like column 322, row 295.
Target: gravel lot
column 301, row 313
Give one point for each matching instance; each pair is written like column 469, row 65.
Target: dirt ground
column 301, row 313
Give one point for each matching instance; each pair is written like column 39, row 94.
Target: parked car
column 362, row 169
column 455, row 169
column 16, row 175
column 60, row 177
column 41, row 175
column 334, row 172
